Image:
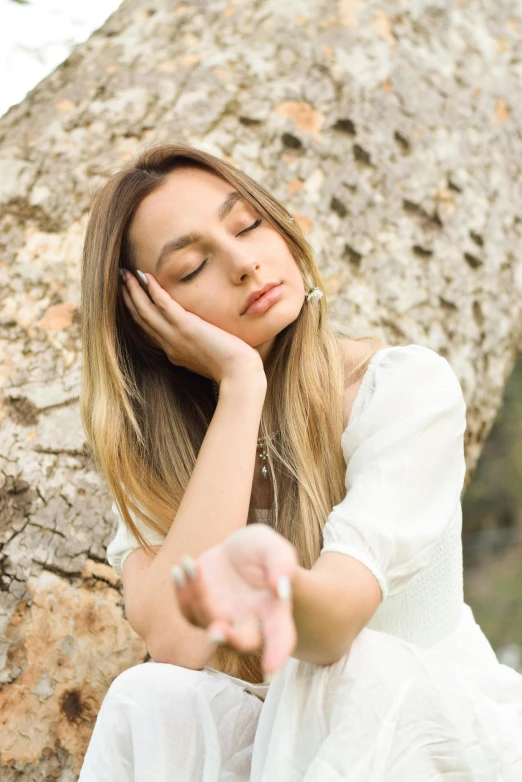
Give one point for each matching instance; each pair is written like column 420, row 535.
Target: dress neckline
column 357, row 402
column 366, row 381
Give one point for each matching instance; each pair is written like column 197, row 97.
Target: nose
column 242, row 263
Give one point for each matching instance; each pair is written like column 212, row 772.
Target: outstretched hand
column 240, row 591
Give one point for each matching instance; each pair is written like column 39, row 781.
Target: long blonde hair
column 145, row 418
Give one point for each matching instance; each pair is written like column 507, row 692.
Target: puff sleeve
column 404, row 450
column 124, row 542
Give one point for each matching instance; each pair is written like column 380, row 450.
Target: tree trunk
column 392, row 131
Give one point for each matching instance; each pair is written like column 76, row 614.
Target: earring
column 314, row 293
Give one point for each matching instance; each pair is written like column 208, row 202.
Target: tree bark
column 392, row 131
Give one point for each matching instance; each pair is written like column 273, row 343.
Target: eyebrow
column 173, row 245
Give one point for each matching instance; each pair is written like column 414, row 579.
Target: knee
column 151, row 678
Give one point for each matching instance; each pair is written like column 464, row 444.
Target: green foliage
column 492, row 520
column 493, row 500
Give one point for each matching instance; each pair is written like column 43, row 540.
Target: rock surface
column 392, row 131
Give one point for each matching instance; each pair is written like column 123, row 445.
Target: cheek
column 209, row 306
column 280, row 249
column 184, row 297
column 292, row 271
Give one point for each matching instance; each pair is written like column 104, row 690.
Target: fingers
column 279, row 626
column 168, row 307
column 192, row 594
column 146, row 312
column 280, row 637
column 245, row 634
column 165, row 303
column 277, row 556
column 133, row 311
column 276, row 635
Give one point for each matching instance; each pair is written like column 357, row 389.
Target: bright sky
column 38, row 35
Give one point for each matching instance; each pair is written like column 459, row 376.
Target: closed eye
column 251, row 227
column 196, row 271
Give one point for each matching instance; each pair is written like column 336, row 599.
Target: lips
column 256, row 294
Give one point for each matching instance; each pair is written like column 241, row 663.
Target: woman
column 329, row 555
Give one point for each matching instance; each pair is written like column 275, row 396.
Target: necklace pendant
column 264, row 471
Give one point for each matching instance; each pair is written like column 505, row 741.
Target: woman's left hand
column 241, row 589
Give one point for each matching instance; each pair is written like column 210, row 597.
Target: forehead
column 186, row 197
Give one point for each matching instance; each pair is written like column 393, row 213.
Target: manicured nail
column 284, row 588
column 217, row 637
column 188, row 565
column 178, row 576
column 122, row 275
column 142, row 277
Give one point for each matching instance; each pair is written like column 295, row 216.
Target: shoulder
column 416, row 370
column 354, row 354
column 410, row 382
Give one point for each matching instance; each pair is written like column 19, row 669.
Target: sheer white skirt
column 386, row 712
column 163, row 723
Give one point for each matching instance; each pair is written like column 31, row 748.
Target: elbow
column 160, row 646
column 172, row 642
column 162, row 653
column 323, row 653
column 341, row 646
column 346, row 641
column 333, row 655
column 194, row 654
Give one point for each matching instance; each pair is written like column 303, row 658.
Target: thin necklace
column 261, row 441
column 313, row 293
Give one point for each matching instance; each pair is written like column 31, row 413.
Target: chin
column 268, row 333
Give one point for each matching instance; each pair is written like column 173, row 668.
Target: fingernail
column 178, row 576
column 217, row 637
column 122, row 275
column 284, row 588
column 142, row 277
column 187, row 563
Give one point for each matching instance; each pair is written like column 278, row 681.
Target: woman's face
column 219, row 254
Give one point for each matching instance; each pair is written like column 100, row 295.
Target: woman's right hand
column 187, row 339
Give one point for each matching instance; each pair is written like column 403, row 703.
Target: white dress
column 420, row 697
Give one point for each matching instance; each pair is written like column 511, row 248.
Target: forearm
column 332, row 603
column 215, row 503
column 217, row 497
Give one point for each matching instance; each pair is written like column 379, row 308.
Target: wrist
column 246, row 381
